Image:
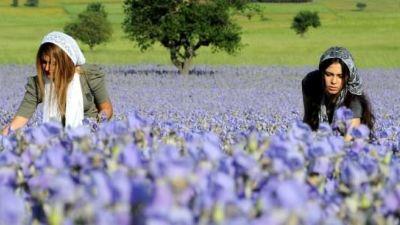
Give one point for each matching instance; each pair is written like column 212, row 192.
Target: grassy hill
column 372, row 35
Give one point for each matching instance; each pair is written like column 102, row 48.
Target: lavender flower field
column 224, row 145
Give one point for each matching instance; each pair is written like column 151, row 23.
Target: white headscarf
column 67, row 44
column 74, row 99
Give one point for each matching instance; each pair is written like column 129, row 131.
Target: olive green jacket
column 93, row 90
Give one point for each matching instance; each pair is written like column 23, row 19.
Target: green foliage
column 361, row 6
column 183, row 26
column 32, row 3
column 303, row 20
column 283, row 1
column 250, row 11
column 267, row 43
column 14, row 3
column 92, row 26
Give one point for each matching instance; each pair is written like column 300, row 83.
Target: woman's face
column 334, row 79
column 48, row 65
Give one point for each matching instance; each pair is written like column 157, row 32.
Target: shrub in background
column 361, row 6
column 32, row 3
column 14, row 3
column 303, row 20
column 92, row 26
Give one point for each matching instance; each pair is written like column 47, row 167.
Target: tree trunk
column 186, row 66
column 182, row 65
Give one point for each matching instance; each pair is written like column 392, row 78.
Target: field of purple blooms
column 223, row 145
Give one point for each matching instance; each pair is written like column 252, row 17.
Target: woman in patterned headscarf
column 68, row 89
column 336, row 83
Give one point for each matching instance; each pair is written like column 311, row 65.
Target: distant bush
column 32, row 3
column 303, row 20
column 361, row 6
column 283, row 1
column 14, row 3
column 92, row 26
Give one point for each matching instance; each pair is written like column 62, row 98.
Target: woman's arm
column 97, row 85
column 106, row 108
column 26, row 108
column 16, row 123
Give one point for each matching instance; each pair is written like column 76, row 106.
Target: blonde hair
column 63, row 68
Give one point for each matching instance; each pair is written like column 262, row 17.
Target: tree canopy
column 183, row 26
column 92, row 26
column 303, row 20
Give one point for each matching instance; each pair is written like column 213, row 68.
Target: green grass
column 372, row 35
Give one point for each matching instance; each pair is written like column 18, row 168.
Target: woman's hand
column 15, row 124
column 5, row 130
column 353, row 124
column 106, row 109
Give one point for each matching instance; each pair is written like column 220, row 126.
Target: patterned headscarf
column 353, row 84
column 67, row 44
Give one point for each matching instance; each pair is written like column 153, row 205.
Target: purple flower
column 312, row 213
column 361, row 132
column 391, row 201
column 130, row 156
column 102, row 189
column 180, row 215
column 300, row 131
column 77, row 159
column 121, row 187
column 244, row 164
column 115, row 128
column 223, row 188
column 343, row 114
column 78, row 132
column 352, row 174
column 321, row 166
column 295, row 159
column 342, row 119
column 291, row 194
column 12, row 209
column 324, row 129
column 36, row 136
column 142, row 192
column 7, row 176
column 135, row 121
column 212, row 152
column 7, row 158
column 62, row 189
column 104, row 217
column 55, row 156
column 336, row 143
column 163, row 196
column 319, row 148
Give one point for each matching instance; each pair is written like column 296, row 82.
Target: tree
column 361, row 6
column 183, row 26
column 14, row 3
column 32, row 3
column 92, row 26
column 303, row 20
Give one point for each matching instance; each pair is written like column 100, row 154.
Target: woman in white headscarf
column 69, row 90
column 336, row 83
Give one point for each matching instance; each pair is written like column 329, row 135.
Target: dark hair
column 312, row 104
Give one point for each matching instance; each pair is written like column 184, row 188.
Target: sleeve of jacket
column 31, row 99
column 356, row 107
column 96, row 79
